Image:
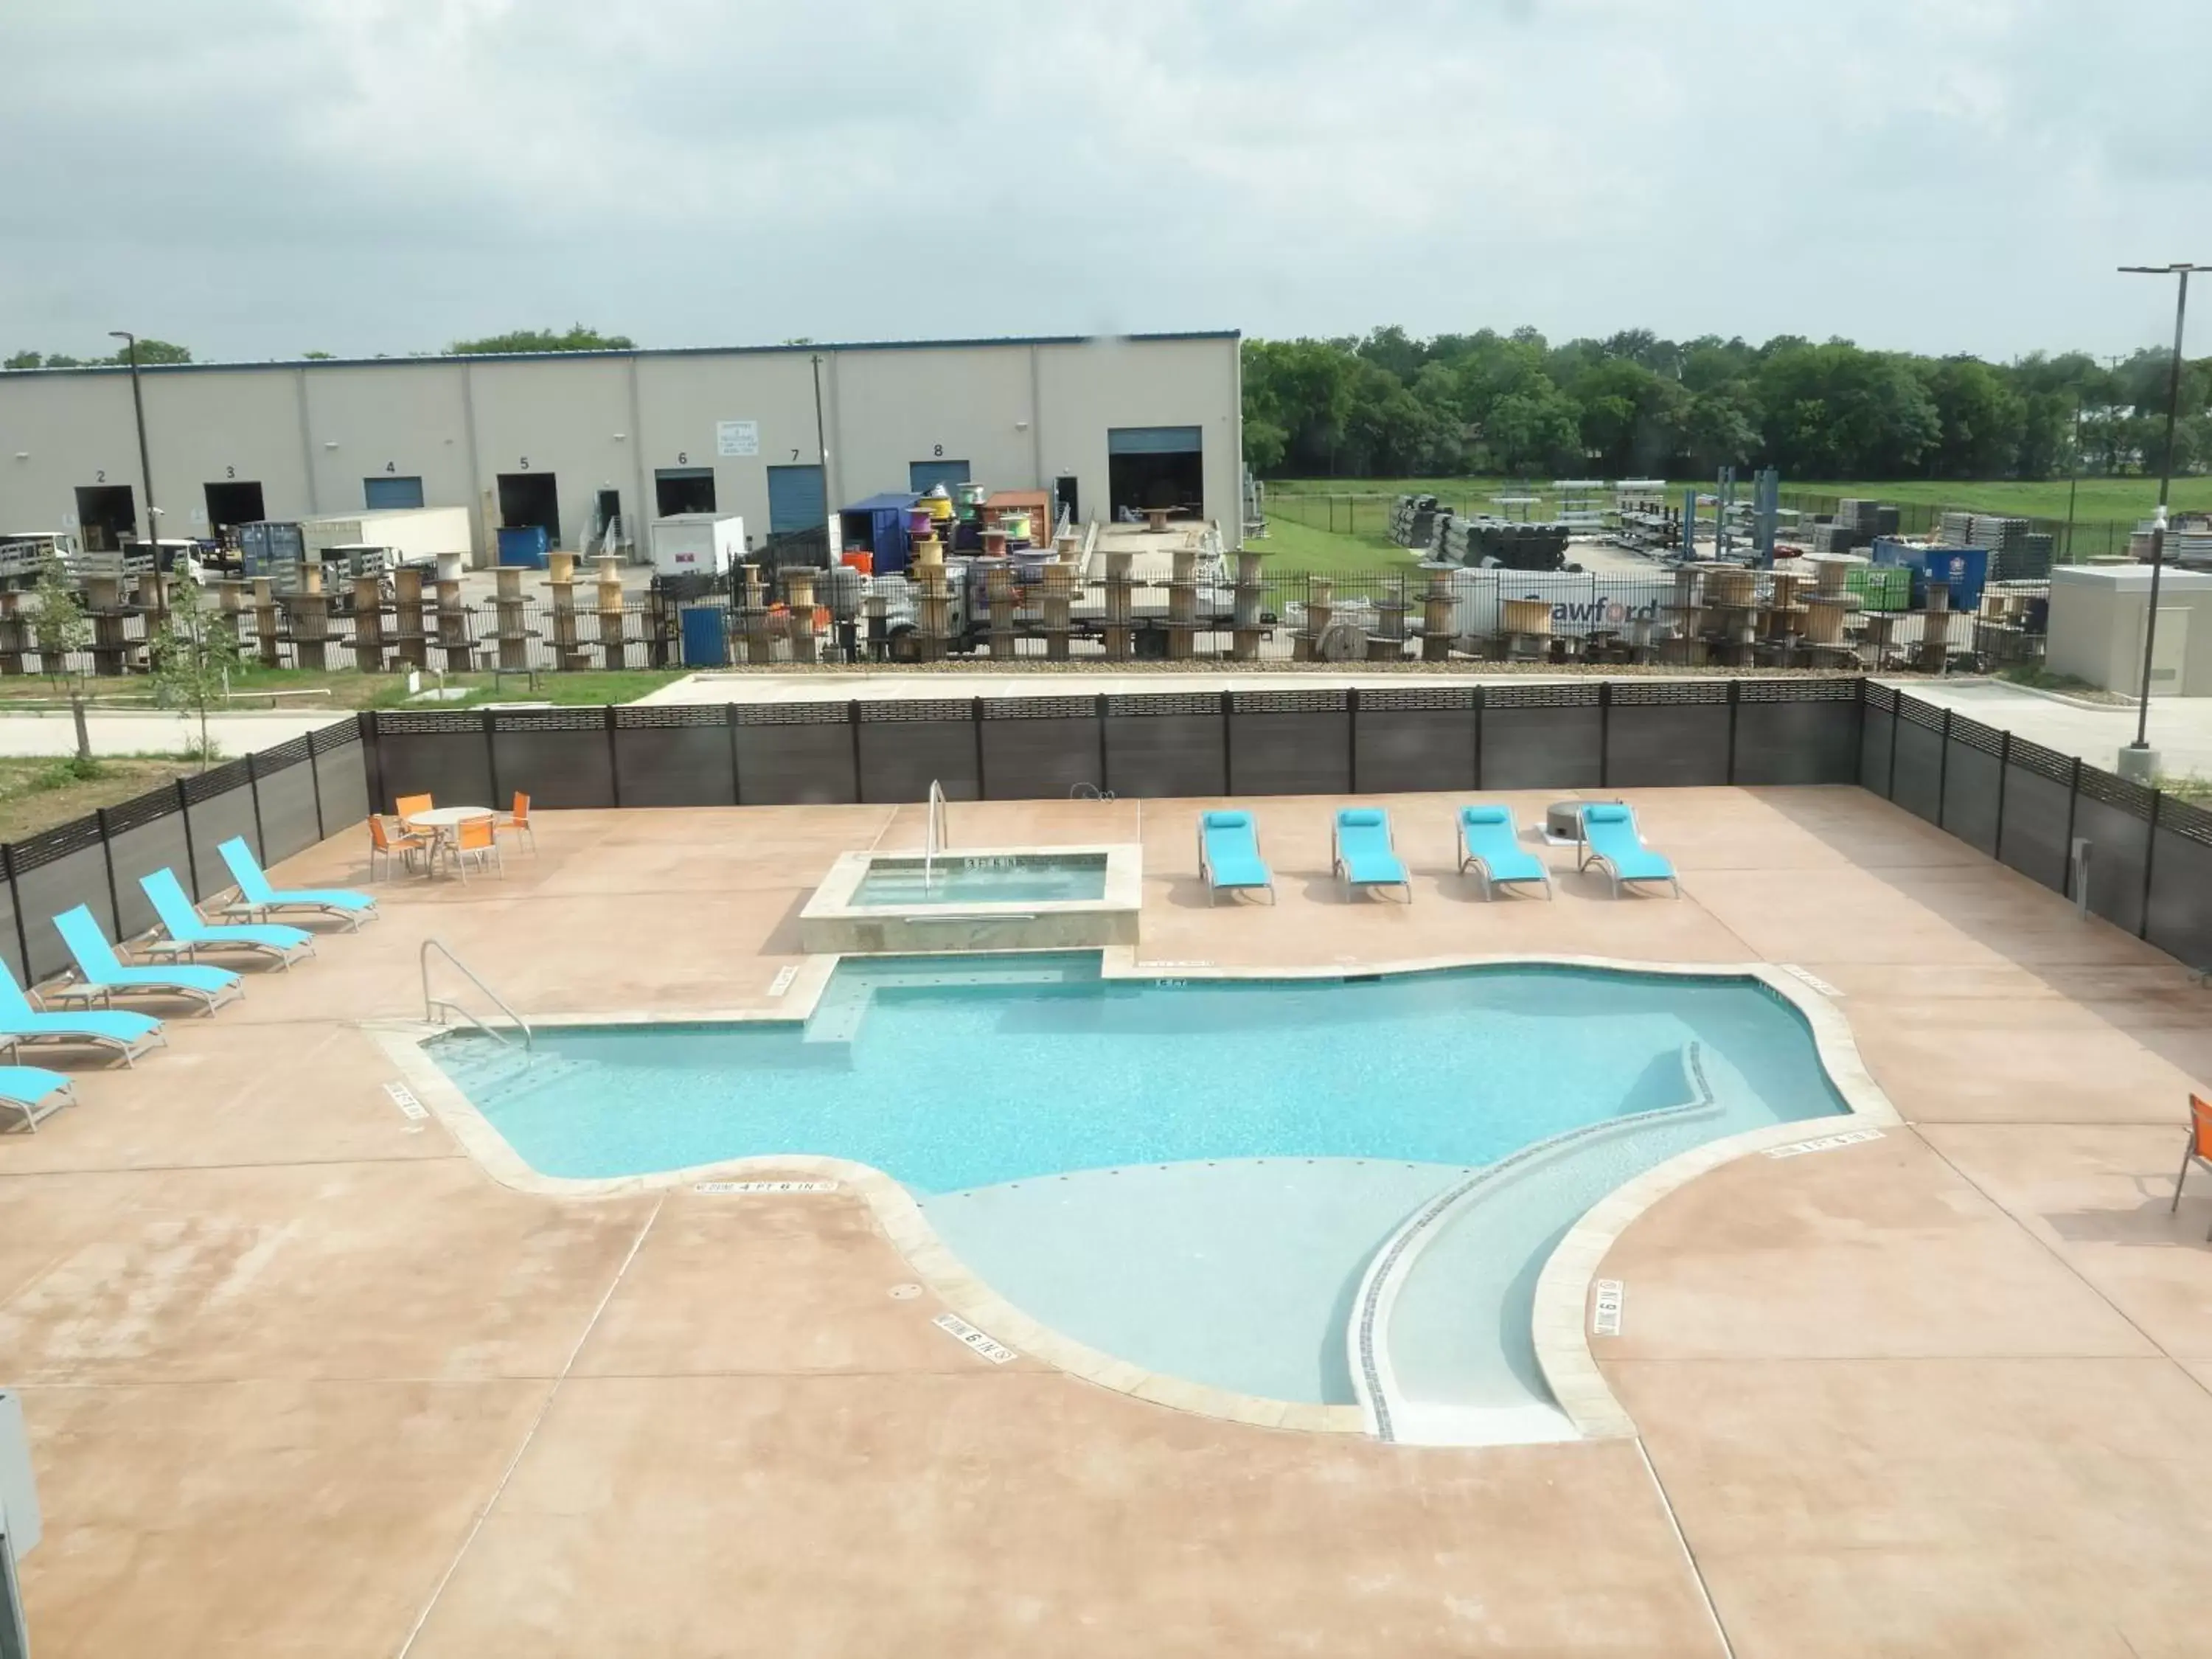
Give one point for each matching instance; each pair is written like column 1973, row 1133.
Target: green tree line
column 1492, row 404
column 575, row 337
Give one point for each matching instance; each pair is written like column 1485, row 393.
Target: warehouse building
column 577, row 442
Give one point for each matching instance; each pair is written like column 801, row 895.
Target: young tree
column 193, row 655
column 62, row 628
column 576, row 338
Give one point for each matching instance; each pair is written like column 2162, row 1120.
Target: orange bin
column 863, row 561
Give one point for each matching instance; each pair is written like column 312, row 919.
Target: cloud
column 257, row 176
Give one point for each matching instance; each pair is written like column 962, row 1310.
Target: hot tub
column 977, row 899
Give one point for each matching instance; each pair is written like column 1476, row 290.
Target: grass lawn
column 38, row 792
column 1293, row 547
column 258, row 688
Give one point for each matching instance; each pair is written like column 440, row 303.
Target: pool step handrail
column 435, row 1007
column 937, row 836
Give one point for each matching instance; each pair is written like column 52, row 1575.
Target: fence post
column 253, row 788
column 491, row 756
column 2004, row 768
column 107, row 857
column 1943, row 768
column 1482, row 702
column 1604, row 731
column 1858, row 735
column 1103, row 781
column 614, row 762
column 1896, row 712
column 315, row 783
column 975, row 725
column 1735, row 701
column 372, row 750
column 730, row 722
column 1229, row 743
column 2150, row 863
column 853, row 721
column 2073, row 799
column 191, row 859
column 1351, row 737
column 15, row 904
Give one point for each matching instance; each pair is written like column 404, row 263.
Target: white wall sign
column 737, row 437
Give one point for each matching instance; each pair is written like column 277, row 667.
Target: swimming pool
column 1195, row 1176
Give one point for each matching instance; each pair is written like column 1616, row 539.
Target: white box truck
column 415, row 535
column 696, row 544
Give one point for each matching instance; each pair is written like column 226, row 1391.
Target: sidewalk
column 2180, row 727
column 151, row 733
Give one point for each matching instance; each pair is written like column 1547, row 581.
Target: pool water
column 1189, row 1176
column 1005, row 878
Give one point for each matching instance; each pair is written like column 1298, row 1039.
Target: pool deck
column 303, row 1379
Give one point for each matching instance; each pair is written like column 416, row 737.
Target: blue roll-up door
column 796, row 500
column 922, row 477
column 1153, row 439
column 388, row 493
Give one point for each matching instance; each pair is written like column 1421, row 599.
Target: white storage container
column 696, row 544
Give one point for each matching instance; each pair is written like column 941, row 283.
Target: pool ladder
column 434, row 1008
column 937, row 837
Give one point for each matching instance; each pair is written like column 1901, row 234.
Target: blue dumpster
column 1965, row 568
column 706, row 636
column 523, row 545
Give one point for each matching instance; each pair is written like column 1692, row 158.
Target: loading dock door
column 1155, row 466
column 231, row 503
column 922, row 477
column 798, row 515
column 105, row 513
column 684, row 490
column 388, row 493
column 528, row 498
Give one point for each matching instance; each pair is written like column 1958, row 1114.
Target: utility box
column 2100, row 615
column 696, row 544
column 419, row 535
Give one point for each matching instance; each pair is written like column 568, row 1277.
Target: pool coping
column 1560, row 1318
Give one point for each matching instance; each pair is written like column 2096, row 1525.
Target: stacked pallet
column 2007, row 540
column 1862, row 517
column 1502, row 543
column 1957, row 530
column 1837, row 538
column 1412, row 521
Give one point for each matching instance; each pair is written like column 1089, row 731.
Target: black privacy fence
column 1582, row 733
column 2138, row 857
column 282, row 800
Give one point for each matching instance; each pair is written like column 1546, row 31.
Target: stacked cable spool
column 1508, row 545
column 1831, row 602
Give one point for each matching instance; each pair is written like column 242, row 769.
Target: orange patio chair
column 2200, row 1147
column 474, row 840
column 519, row 821
column 390, row 844
column 409, row 805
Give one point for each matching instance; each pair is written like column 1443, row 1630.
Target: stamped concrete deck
column 304, row 1380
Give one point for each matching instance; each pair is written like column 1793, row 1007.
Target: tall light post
column 2136, row 760
column 145, row 470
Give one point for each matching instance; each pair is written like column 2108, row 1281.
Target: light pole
column 2136, row 760
column 145, row 470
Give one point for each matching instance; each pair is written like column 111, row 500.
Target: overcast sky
column 258, row 178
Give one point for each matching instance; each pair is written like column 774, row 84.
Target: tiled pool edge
column 1560, row 1334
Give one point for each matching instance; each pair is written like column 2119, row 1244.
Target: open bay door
column 1152, row 466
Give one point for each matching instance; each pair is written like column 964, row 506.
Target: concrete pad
column 2045, row 1509
column 2101, row 1199
column 411, row 1269
column 1010, row 1513
column 2026, row 1063
column 256, row 1519
column 1878, row 1249
column 727, row 1284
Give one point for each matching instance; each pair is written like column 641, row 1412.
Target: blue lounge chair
column 1228, row 855
column 1489, row 847
column 35, row 1092
column 1611, row 842
column 100, row 973
column 257, row 898
column 127, row 1034
column 189, row 933
column 1361, row 854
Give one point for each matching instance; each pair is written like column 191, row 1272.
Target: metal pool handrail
column 938, row 837
column 431, row 1005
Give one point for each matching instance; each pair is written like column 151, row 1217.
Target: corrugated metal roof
column 643, row 351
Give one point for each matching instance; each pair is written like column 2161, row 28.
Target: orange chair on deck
column 519, row 821
column 473, row 839
column 389, row 844
column 409, row 805
column 2200, row 1147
